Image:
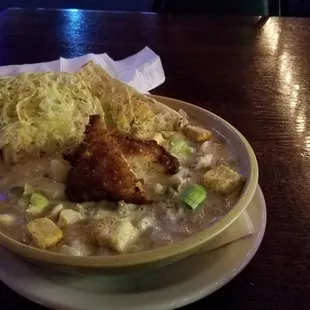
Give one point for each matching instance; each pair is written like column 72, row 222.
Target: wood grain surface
column 253, row 72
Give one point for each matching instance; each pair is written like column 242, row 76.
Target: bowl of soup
column 196, row 183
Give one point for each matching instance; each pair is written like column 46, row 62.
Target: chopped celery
column 28, row 199
column 180, row 146
column 34, row 210
column 38, row 200
column 194, row 195
column 37, row 204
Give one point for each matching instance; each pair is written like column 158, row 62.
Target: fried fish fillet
column 102, row 165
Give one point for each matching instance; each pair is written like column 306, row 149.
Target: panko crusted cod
column 103, row 166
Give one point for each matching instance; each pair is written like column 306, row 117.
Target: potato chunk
column 197, row 134
column 68, row 250
column 7, row 219
column 223, row 180
column 59, row 171
column 53, row 215
column 44, row 232
column 203, row 162
column 68, row 217
column 147, row 223
column 114, row 233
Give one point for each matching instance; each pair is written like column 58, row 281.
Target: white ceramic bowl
column 170, row 253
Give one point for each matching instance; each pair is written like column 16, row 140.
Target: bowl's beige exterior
column 168, row 254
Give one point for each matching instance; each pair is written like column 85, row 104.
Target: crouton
column 68, row 217
column 7, row 219
column 197, row 134
column 44, row 232
column 223, row 180
column 114, row 233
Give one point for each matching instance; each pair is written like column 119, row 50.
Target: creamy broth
column 162, row 222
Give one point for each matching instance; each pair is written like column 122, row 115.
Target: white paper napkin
column 143, row 71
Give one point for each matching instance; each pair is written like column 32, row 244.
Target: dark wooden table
column 253, row 72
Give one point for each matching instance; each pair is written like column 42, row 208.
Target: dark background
column 239, row 68
column 212, row 7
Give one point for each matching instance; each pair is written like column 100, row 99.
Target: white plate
column 170, row 287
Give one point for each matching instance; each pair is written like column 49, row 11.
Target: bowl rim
column 177, row 249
